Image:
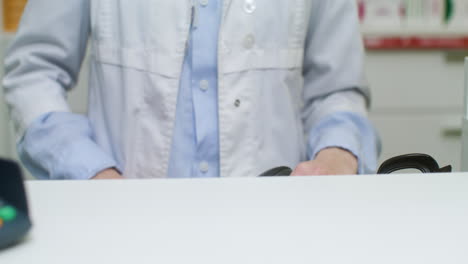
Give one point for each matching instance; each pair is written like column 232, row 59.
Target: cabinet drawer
column 436, row 135
column 414, row 79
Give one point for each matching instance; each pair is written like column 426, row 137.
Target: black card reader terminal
column 14, row 215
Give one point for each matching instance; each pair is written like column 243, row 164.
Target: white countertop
column 351, row 219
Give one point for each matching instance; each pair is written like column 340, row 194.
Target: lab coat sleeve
column 335, row 93
column 44, row 58
column 41, row 65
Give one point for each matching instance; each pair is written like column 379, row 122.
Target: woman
column 191, row 88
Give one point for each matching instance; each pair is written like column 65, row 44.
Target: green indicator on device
column 8, row 213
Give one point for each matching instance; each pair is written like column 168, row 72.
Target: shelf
column 414, row 31
column 415, row 38
column 400, row 43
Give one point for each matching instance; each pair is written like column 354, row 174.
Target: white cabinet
column 417, row 103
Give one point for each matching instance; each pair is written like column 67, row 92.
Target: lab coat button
column 204, row 167
column 204, row 85
column 250, row 6
column 237, row 103
column 249, row 41
column 203, row 2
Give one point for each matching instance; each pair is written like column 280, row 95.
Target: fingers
column 108, row 174
column 309, row 168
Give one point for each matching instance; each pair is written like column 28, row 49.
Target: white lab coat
column 283, row 65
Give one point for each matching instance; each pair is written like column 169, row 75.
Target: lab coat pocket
column 137, row 59
column 139, row 34
column 266, row 35
column 280, row 24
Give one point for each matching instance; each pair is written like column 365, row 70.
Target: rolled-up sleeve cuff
column 348, row 131
column 77, row 163
column 61, row 146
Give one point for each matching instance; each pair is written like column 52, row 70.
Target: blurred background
column 414, row 64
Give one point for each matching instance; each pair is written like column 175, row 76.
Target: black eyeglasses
column 422, row 162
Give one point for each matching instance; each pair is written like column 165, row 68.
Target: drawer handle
column 452, row 132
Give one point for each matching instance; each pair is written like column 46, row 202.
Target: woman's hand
column 108, row 174
column 330, row 161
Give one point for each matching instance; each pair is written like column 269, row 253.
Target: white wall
column 5, row 140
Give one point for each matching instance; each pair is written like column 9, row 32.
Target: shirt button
column 204, row 85
column 250, row 6
column 237, row 103
column 204, row 167
column 203, row 2
column 249, row 41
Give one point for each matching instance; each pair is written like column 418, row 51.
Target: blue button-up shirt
column 195, row 145
column 195, row 148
